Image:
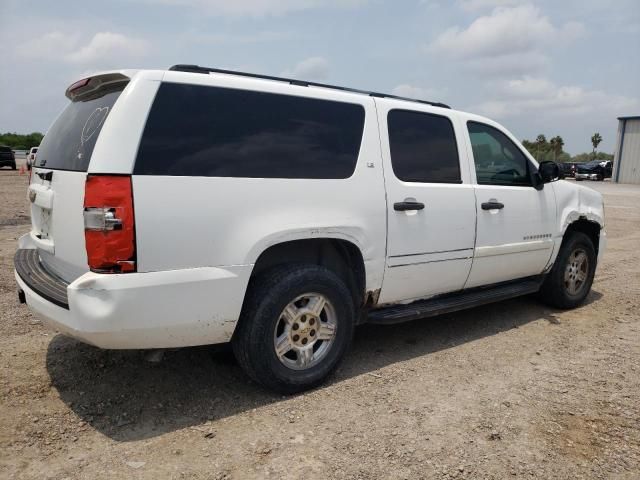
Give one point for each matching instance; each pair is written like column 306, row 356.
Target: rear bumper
column 165, row 309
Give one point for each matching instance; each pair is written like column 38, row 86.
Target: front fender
column 573, row 203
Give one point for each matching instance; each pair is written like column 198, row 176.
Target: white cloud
column 504, row 31
column 312, row 68
column 496, row 43
column 258, row 8
column 108, row 45
column 532, row 96
column 419, row 93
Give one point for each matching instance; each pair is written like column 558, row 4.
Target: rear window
column 69, row 143
column 195, row 130
column 5, row 149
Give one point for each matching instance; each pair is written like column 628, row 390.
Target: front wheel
column 570, row 279
column 296, row 325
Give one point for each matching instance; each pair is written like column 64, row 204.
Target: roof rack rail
column 301, row 83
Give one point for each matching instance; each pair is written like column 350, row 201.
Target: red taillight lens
column 109, row 224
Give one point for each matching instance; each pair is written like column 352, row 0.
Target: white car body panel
column 516, row 241
column 265, row 211
column 198, row 238
column 117, row 146
column 433, row 243
column 175, row 308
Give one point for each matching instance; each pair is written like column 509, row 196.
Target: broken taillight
column 109, row 226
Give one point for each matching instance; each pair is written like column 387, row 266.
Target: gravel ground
column 511, row 390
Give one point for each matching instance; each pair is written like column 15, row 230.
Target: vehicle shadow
column 127, row 398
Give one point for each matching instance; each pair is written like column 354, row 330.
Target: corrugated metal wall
column 629, row 164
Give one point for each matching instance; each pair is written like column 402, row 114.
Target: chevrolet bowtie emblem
column 32, row 196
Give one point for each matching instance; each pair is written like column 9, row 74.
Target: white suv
column 199, row 206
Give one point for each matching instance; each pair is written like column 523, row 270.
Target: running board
column 454, row 302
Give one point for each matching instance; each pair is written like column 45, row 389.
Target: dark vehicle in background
column 595, row 170
column 568, row 169
column 7, row 157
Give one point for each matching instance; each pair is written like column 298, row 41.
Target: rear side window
column 195, row 130
column 69, row 143
column 423, row 147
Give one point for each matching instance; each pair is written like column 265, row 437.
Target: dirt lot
column 512, row 390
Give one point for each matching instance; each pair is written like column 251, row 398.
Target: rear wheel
column 570, row 279
column 295, row 327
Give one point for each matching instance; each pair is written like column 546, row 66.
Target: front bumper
column 602, row 245
column 175, row 308
column 586, row 176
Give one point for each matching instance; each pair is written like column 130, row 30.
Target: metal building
column 626, row 161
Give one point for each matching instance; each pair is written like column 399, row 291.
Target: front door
column 515, row 221
column 430, row 203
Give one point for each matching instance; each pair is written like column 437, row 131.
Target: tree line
column 543, row 149
column 19, row 141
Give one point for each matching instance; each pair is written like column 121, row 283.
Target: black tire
column 267, row 296
column 13, row 166
column 555, row 291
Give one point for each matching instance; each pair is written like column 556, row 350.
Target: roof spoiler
column 88, row 87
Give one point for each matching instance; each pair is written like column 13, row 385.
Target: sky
column 567, row 68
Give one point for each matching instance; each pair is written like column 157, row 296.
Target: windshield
column 69, row 143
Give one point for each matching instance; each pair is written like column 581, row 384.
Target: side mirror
column 549, row 171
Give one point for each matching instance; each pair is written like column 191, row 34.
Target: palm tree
column 540, row 142
column 595, row 141
column 556, row 144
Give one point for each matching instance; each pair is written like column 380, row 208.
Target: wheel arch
column 341, row 256
column 590, row 228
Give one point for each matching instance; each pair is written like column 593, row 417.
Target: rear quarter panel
column 188, row 222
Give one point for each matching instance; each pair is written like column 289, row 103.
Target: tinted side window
column 498, row 160
column 423, row 147
column 196, row 130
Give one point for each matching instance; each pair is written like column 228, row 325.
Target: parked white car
column 199, row 206
column 31, row 157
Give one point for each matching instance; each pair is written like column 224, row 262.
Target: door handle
column 404, row 206
column 492, row 206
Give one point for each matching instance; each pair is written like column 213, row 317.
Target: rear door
column 57, row 185
column 430, row 202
